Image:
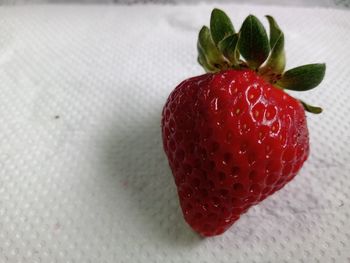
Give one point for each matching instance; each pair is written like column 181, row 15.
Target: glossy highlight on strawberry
column 233, row 136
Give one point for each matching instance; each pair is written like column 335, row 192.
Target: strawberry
column 233, row 136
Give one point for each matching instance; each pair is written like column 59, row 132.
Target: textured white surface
column 83, row 177
column 325, row 3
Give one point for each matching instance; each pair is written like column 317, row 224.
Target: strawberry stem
column 220, row 48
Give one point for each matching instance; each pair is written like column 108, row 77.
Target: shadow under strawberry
column 135, row 159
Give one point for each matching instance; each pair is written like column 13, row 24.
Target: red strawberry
column 233, row 136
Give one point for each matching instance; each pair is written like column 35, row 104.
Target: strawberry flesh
column 232, row 139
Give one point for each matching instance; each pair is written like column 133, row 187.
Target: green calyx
column 220, row 48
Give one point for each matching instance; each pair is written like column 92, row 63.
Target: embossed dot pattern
column 93, row 185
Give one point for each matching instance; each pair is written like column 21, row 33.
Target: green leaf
column 202, row 60
column 220, row 25
column 253, row 42
column 275, row 31
column 302, row 78
column 310, row 108
column 277, row 60
column 228, row 46
column 210, row 51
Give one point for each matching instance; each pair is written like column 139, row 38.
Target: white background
column 83, row 177
column 311, row 3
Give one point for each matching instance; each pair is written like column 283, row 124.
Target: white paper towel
column 83, row 177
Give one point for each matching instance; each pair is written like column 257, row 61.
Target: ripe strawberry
column 233, row 136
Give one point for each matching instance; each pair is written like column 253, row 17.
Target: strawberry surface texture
column 233, row 136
